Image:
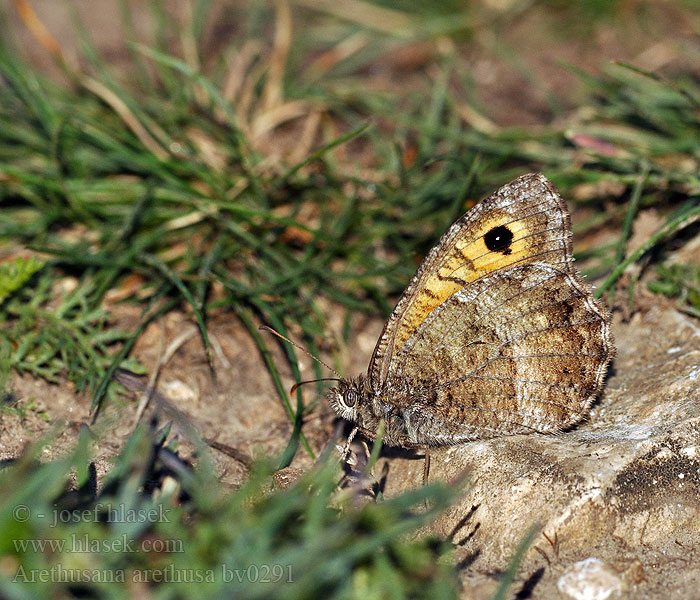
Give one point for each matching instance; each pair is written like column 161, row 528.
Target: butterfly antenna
column 297, row 385
column 304, row 350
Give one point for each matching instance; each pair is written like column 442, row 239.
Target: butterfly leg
column 426, row 465
column 426, row 473
column 346, row 448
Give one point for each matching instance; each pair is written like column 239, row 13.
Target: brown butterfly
column 496, row 334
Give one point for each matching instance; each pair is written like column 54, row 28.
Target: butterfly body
column 496, row 334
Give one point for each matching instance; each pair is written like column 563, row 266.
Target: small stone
column 590, row 579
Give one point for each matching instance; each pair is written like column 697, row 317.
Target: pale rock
column 590, row 579
column 623, row 487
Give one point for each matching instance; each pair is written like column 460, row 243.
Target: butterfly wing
column 523, row 349
column 524, row 221
column 496, row 334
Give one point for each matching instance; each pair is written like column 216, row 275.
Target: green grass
column 170, row 175
column 681, row 282
column 157, row 523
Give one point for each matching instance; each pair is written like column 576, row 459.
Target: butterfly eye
column 351, row 398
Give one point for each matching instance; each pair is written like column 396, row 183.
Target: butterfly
column 496, row 333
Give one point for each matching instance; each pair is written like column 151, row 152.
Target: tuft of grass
column 51, row 333
column 681, row 282
column 171, row 531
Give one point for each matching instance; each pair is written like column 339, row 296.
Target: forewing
column 533, row 224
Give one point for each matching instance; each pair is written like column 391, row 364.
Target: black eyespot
column 499, row 239
column 351, row 398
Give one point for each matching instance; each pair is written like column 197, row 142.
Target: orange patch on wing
column 468, row 259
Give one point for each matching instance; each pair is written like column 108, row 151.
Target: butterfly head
column 349, row 398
